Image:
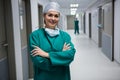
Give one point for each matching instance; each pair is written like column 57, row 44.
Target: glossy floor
column 90, row 63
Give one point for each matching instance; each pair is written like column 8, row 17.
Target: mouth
column 52, row 22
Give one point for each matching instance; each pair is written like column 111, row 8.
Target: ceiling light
column 73, row 9
column 74, row 5
column 73, row 12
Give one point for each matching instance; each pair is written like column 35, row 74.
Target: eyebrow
column 53, row 13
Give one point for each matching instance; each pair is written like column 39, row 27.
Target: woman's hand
column 66, row 46
column 37, row 51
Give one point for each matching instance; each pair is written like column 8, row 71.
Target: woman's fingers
column 69, row 47
column 66, row 46
column 35, row 51
column 39, row 52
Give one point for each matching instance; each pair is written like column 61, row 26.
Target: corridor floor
column 90, row 63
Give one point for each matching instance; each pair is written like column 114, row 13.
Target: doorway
column 4, row 71
column 90, row 35
column 70, row 22
column 40, row 15
column 100, row 26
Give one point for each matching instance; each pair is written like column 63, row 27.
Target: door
column 3, row 45
column 70, row 22
column 90, row 35
column 84, row 26
column 40, row 14
column 100, row 25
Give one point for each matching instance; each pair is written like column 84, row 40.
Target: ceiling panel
column 83, row 4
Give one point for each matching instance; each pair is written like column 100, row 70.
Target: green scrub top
column 57, row 66
column 76, row 24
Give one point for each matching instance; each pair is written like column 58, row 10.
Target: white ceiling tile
column 83, row 4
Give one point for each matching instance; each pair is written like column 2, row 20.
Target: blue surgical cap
column 54, row 6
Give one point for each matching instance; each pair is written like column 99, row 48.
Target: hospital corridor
column 92, row 25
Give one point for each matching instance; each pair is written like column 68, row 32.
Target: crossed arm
column 38, row 51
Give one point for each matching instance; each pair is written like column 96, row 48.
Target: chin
column 53, row 26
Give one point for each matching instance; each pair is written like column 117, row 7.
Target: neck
column 50, row 27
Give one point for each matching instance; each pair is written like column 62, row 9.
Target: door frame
column 10, row 40
column 90, row 25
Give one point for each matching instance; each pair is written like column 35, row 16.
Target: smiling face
column 51, row 19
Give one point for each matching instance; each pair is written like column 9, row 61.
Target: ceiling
column 83, row 4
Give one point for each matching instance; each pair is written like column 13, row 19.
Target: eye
column 50, row 15
column 56, row 16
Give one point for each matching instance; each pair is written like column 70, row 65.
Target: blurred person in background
column 76, row 26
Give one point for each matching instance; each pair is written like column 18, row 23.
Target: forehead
column 53, row 12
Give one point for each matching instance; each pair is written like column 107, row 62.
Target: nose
column 53, row 17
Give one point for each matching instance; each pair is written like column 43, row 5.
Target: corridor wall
column 117, row 31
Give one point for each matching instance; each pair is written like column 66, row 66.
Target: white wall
column 65, row 11
column 62, row 23
column 65, row 22
column 117, row 31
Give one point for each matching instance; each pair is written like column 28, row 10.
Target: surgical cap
column 52, row 6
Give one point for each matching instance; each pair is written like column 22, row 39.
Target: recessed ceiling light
column 73, row 9
column 74, row 5
column 73, row 12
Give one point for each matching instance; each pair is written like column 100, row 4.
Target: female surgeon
column 50, row 48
